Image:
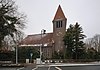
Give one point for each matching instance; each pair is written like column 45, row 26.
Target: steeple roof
column 59, row 14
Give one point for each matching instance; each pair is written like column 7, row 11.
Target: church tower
column 59, row 29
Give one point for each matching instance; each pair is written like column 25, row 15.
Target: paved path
column 92, row 66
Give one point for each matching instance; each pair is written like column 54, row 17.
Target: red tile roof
column 59, row 14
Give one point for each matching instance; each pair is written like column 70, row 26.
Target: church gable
column 59, row 14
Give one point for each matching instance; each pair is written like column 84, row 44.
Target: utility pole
column 16, row 49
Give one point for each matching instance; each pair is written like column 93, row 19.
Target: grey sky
column 40, row 14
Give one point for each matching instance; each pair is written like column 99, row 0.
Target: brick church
column 51, row 41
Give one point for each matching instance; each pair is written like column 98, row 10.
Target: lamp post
column 16, row 49
column 42, row 32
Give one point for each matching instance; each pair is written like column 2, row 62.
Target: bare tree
column 93, row 42
column 11, row 21
column 9, row 42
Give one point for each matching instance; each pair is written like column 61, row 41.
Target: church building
column 51, row 42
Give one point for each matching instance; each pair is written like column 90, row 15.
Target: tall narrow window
column 58, row 24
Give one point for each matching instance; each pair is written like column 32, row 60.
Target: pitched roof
column 59, row 14
column 37, row 40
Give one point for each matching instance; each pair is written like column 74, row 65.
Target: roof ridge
column 38, row 34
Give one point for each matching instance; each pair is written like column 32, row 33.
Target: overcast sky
column 40, row 14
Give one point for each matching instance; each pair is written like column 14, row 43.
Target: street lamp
column 42, row 32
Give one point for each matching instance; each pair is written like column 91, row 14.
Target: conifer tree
column 73, row 40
